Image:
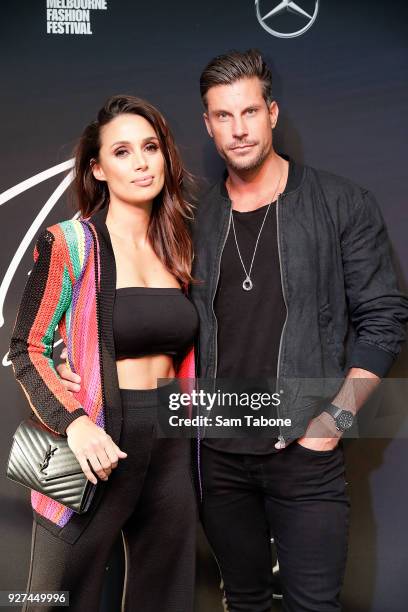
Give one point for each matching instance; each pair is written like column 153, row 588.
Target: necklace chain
column 247, row 283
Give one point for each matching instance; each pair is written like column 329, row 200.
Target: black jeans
column 297, row 495
column 150, row 498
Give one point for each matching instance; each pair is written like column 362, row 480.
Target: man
column 289, row 256
column 284, row 274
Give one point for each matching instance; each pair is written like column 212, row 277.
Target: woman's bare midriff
column 144, row 372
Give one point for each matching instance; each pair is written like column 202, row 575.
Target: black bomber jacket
column 344, row 307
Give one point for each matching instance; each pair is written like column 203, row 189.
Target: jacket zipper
column 215, row 351
column 280, row 437
column 196, row 384
column 213, row 298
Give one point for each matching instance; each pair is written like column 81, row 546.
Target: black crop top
column 152, row 321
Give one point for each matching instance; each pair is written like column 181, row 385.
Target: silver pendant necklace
column 247, row 283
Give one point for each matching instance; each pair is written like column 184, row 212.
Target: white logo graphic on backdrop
column 37, row 223
column 286, row 6
column 72, row 16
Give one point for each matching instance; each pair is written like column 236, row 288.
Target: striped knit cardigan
column 72, row 259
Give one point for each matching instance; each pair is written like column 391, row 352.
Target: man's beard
column 253, row 164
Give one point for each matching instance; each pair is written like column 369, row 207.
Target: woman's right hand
column 89, row 442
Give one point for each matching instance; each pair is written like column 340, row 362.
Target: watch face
column 344, row 420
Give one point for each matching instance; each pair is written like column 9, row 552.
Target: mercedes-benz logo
column 284, row 7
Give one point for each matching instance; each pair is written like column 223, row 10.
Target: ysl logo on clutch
column 49, row 453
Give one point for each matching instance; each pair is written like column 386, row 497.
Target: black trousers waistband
column 149, row 398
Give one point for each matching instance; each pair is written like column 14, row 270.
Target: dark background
column 342, row 92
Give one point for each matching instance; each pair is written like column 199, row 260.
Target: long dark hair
column 168, row 230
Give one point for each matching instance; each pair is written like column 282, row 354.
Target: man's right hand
column 71, row 381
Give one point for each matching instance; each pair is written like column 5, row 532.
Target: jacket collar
column 297, row 176
column 106, row 300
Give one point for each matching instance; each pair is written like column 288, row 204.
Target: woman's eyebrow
column 120, row 142
column 126, row 142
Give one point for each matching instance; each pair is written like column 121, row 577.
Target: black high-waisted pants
column 150, row 498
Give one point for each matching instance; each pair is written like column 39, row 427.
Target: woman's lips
column 144, row 181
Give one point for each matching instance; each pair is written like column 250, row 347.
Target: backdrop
column 338, row 74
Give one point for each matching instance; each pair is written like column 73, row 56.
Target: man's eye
column 251, row 111
column 222, row 115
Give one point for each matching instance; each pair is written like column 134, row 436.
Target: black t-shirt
column 250, row 322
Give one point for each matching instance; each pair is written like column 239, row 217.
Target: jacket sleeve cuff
column 68, row 418
column 371, row 358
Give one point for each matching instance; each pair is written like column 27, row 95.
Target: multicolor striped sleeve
column 46, row 297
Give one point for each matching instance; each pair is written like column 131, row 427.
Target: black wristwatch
column 344, row 419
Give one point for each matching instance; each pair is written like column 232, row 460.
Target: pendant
column 247, row 284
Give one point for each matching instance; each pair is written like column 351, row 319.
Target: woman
column 114, row 283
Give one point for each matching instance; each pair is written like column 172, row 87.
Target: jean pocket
column 312, row 451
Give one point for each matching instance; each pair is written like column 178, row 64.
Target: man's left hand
column 321, row 434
